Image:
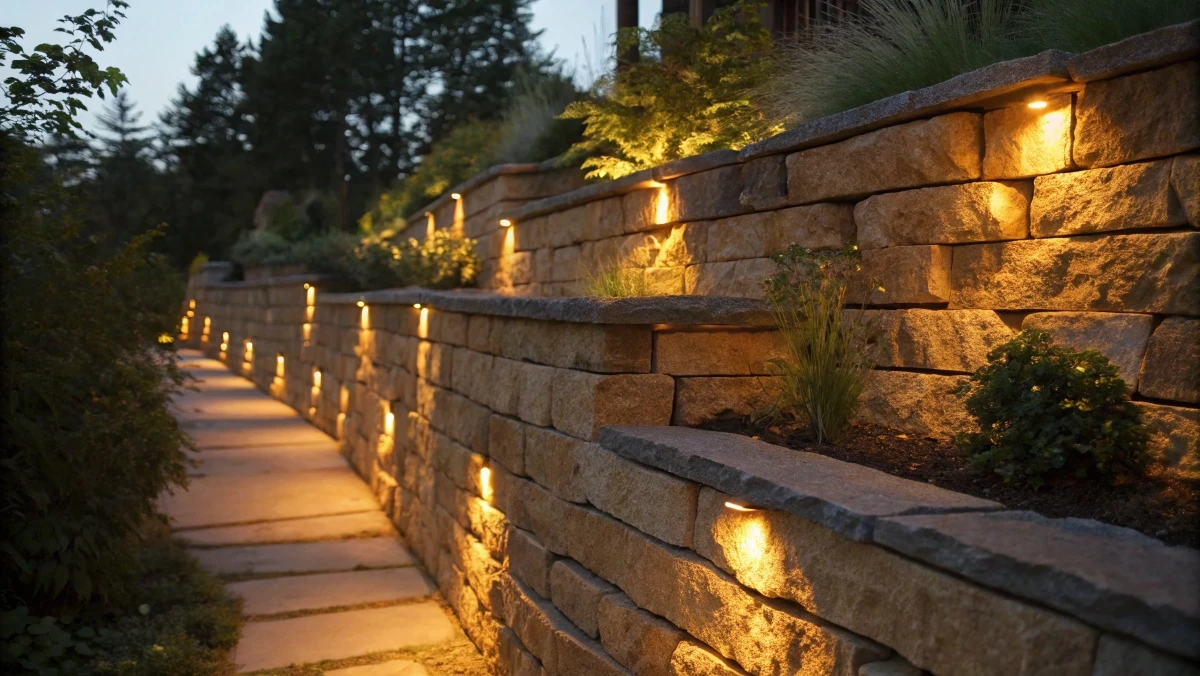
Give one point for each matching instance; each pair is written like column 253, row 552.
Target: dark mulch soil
column 1157, row 504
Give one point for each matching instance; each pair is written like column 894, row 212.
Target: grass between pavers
column 246, row 577
column 270, row 617
column 178, row 621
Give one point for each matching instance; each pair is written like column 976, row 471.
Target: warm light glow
column 423, row 324
column 740, row 508
column 312, row 410
column 341, row 424
column 311, row 295
column 224, row 336
column 191, row 313
column 165, row 338
column 430, row 224
column 662, row 203
column 366, row 316
column 752, row 543
column 279, row 365
column 191, row 305
column 307, row 285
column 505, row 223
column 207, row 322
column 417, row 306
column 183, row 325
column 1037, row 105
column 485, row 483
column 389, row 423
column 343, row 399
column 306, row 331
column 308, row 313
column 455, row 196
column 361, row 304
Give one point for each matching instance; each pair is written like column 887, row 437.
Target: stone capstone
column 952, row 214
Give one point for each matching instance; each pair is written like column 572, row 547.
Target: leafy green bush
column 179, row 621
column 88, row 440
column 262, row 247
column 1045, row 411
column 827, row 354
column 686, row 96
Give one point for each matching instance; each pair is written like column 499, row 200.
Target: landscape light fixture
column 361, row 303
column 455, row 196
column 739, row 508
column 1038, row 104
column 416, row 306
column 505, row 223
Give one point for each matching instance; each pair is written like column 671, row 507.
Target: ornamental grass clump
column 827, row 354
column 1046, row 411
column 688, row 94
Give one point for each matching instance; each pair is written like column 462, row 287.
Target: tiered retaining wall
column 976, row 214
column 566, row 548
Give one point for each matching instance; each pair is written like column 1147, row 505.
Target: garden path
column 272, row 507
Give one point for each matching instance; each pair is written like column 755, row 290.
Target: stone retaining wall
column 976, row 214
column 568, row 546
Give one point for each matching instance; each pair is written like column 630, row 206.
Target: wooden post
column 700, row 10
column 627, row 17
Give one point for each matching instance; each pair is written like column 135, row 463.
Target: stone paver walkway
column 273, row 508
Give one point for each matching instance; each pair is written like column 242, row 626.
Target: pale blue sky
column 158, row 39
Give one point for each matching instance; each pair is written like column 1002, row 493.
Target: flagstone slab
column 251, row 432
column 267, row 459
column 340, row 527
column 330, row 555
column 335, row 636
column 390, row 668
column 242, row 407
column 237, row 499
column 330, row 590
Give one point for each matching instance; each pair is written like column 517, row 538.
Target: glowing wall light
column 191, row 304
column 205, row 330
column 455, row 196
column 416, row 306
column 248, row 357
column 306, row 332
column 344, row 399
column 485, row 483
column 423, row 324
column 1038, row 104
column 184, row 325
column 341, row 425
column 662, row 206
column 505, row 223
column 317, row 380
column 364, row 316
column 224, row 342
column 430, row 224
column 310, row 295
column 739, row 507
column 389, row 424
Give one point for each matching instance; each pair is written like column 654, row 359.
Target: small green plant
column 827, row 355
column 616, row 281
column 1045, row 410
column 687, row 95
column 1080, row 25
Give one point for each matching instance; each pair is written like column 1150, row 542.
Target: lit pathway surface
column 325, row 581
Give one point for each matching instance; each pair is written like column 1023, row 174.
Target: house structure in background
column 783, row 17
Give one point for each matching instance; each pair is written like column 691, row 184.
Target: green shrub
column 88, row 440
column 262, row 247
column 1080, row 25
column 616, row 281
column 827, row 355
column 1046, row 411
column 686, row 96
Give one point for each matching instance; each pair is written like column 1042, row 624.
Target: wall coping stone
column 841, row 496
column 479, row 179
column 1112, row 577
column 1139, row 52
column 282, row 280
column 682, row 310
column 591, row 193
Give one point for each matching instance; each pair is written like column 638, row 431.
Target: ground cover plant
column 1045, row 410
column 826, row 356
column 687, row 94
column 901, row 45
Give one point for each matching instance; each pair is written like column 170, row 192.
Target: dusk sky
column 157, row 41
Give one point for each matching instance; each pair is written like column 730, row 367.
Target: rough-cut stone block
column 1114, row 578
column 692, row 659
column 604, row 219
column 896, row 666
column 1114, row 125
column 1185, row 183
column 638, row 640
column 864, row 588
column 550, row 460
column 1129, row 197
column 566, row 265
column 1022, row 142
column 758, row 235
column 531, row 618
column 578, row 655
column 763, row 635
column 842, row 496
column 535, row 386
column 577, row 593
column 903, row 275
column 739, row 279
column 642, row 211
column 685, row 245
column 701, row 400
column 1171, row 369
column 593, row 347
column 707, row 195
column 1174, row 436
column 502, row 393
column 765, row 183
column 547, row 514
column 529, row 561
column 936, row 340
column 597, row 542
column 918, row 403
column 715, row 353
column 515, row 660
column 1120, row 337
column 1118, row 656
column 952, row 214
column 647, row 499
column 945, row 149
column 506, row 443
column 584, row 402
column 1105, row 273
